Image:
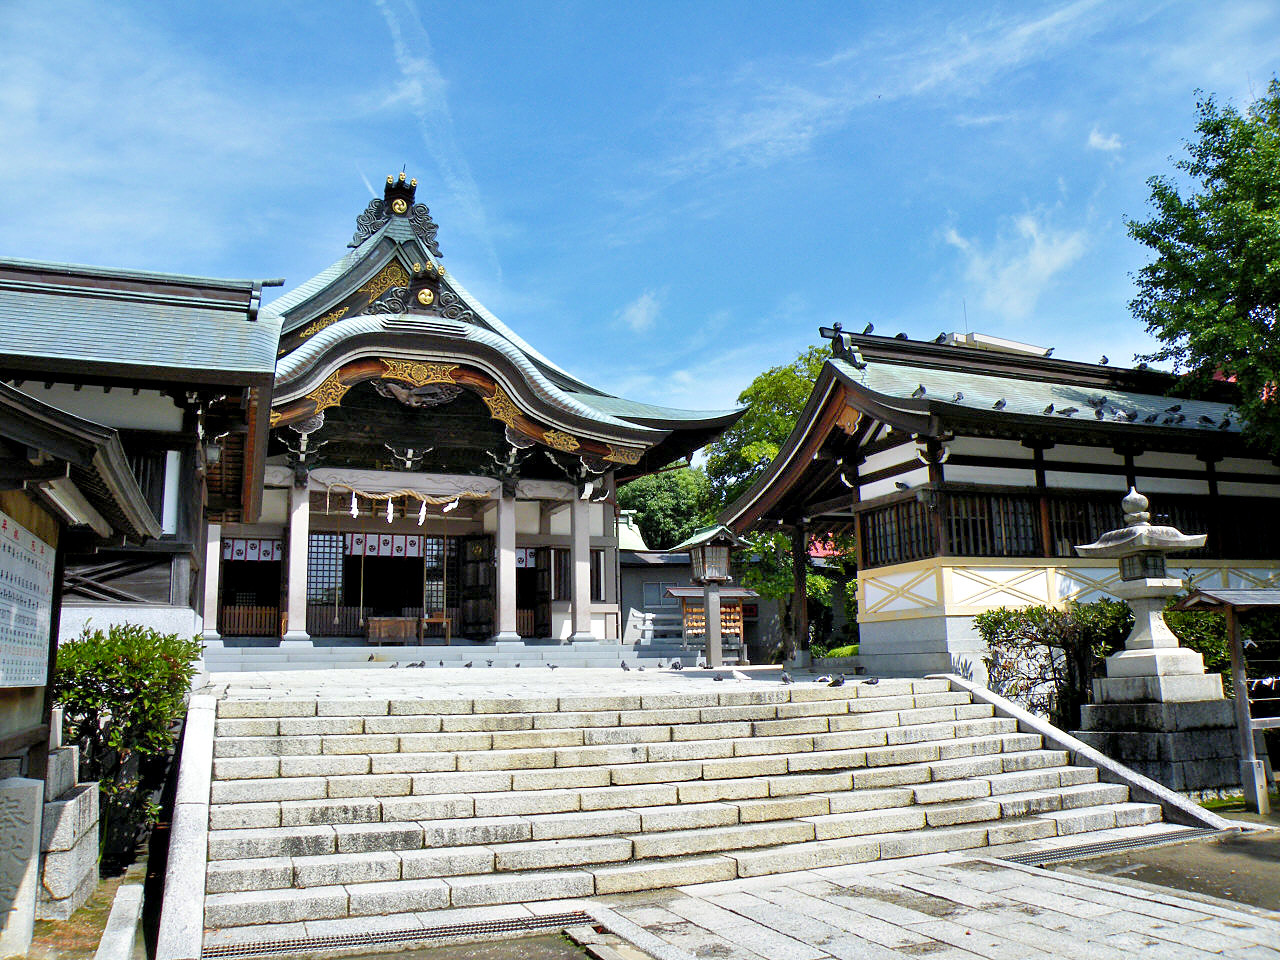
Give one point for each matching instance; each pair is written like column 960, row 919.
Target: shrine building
column 969, row 468
column 429, row 476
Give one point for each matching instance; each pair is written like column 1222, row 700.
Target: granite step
column 377, row 883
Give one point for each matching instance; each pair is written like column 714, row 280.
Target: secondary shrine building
column 428, row 474
column 969, row 468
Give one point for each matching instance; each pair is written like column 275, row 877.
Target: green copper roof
column 132, row 319
column 950, row 391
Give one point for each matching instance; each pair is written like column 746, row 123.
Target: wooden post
column 1252, row 774
column 799, row 595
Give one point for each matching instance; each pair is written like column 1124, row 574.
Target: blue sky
column 664, row 198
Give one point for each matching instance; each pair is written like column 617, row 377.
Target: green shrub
column 848, row 650
column 1044, row 657
column 121, row 692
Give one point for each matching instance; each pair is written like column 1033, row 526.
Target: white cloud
column 757, row 119
column 1100, row 141
column 641, row 312
column 1011, row 273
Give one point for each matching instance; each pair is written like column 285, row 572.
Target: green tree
column 1211, row 293
column 774, row 400
column 669, row 506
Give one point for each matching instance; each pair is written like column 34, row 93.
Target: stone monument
column 1156, row 710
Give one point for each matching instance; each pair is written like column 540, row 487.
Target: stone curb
column 182, row 910
column 635, row 934
column 122, row 925
column 1176, row 807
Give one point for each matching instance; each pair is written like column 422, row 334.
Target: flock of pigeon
column 1171, row 416
column 676, row 664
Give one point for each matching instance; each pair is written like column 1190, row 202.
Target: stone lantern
column 1152, row 666
column 709, row 550
column 1156, row 710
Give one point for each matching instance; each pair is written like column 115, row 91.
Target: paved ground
column 1243, row 867
column 946, row 907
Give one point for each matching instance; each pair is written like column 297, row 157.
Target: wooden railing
column 969, row 522
column 249, row 621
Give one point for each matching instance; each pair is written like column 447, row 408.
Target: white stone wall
column 68, row 838
column 183, row 621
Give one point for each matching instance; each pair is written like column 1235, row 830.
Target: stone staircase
column 344, row 810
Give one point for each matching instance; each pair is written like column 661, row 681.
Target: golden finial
column 391, row 180
column 402, row 176
column 413, row 183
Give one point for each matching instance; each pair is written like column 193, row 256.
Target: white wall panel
column 903, row 453
column 1059, row 480
column 954, row 473
column 880, row 488
column 985, row 447
column 1232, row 489
column 1070, row 453
column 1164, row 485
column 1239, row 465
column 149, row 410
column 528, row 512
column 1169, row 461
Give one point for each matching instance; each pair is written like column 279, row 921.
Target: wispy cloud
column 1104, row 141
column 641, row 312
column 423, row 90
column 1011, row 273
column 757, row 119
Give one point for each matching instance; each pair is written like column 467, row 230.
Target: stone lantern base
column 1188, row 745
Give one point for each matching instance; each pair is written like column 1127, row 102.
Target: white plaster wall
column 149, row 410
column 1169, row 461
column 1170, row 485
column 982, row 447
column 528, row 513
column 560, row 524
column 597, row 514
column 1236, row 465
column 275, row 506
column 880, row 488
column 954, row 473
column 1057, row 479
column 902, row 453
column 183, row 621
column 1230, row 488
column 1070, row 453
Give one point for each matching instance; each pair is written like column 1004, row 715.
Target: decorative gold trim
column 328, row 320
column 418, row 373
column 628, row 455
column 502, row 407
column 392, row 275
column 276, row 417
column 559, row 440
column 330, row 393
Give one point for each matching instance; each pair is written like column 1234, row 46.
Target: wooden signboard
column 26, row 605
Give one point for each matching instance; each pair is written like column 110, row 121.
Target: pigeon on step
column 677, row 664
column 552, row 666
column 624, row 665
column 823, row 679
column 371, row 658
column 489, row 662
column 468, row 664
column 872, row 682
column 786, row 677
column 718, row 677
column 442, row 663
column 837, row 682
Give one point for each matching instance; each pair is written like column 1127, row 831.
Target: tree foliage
column 775, row 399
column 1212, row 292
column 121, row 692
column 669, row 506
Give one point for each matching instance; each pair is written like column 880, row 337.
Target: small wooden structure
column 694, row 618
column 1232, row 603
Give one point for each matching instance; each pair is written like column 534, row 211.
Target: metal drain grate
column 1040, row 858
column 309, row 946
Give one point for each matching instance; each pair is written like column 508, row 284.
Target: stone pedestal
column 68, row 839
column 20, row 803
column 1187, row 745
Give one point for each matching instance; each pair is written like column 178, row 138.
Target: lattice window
column 324, row 568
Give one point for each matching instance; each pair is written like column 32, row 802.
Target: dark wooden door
column 476, row 591
column 542, row 596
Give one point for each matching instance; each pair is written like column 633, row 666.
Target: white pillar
column 299, row 537
column 505, row 555
column 580, row 562
column 212, row 581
